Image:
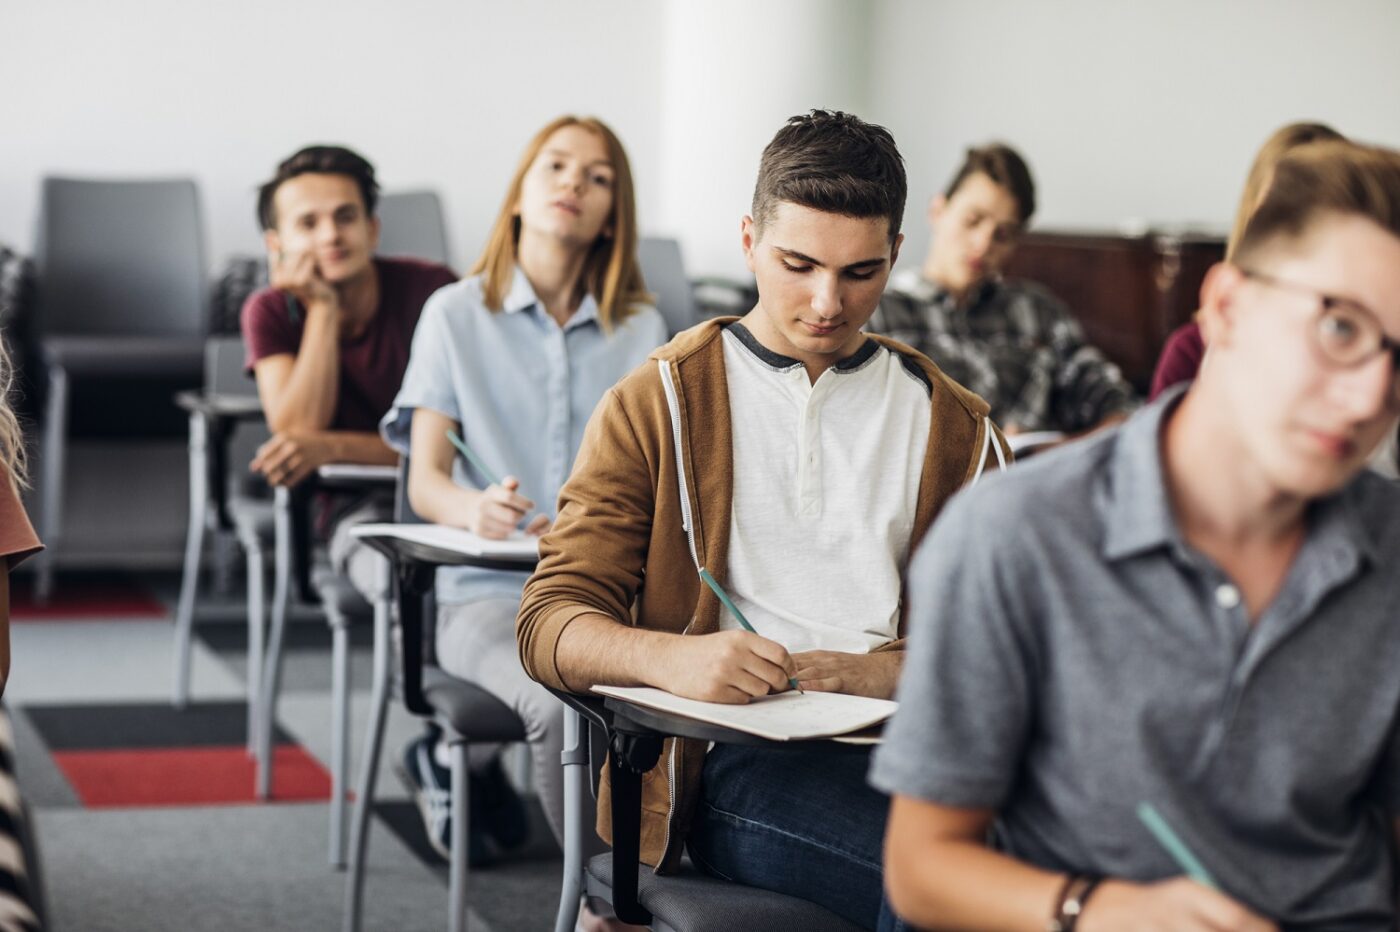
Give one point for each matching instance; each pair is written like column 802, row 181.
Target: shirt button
column 1227, row 596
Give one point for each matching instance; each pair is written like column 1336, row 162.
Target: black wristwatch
column 1073, row 895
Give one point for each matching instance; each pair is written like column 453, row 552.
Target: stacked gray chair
column 121, row 293
column 664, row 271
column 411, row 224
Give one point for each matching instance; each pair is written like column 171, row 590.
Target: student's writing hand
column 833, row 671
column 495, row 511
column 729, row 666
column 297, row 273
column 1177, row 905
column 290, row 457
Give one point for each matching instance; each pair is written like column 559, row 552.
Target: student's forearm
column 968, row 887
column 356, row 446
column 595, row 650
column 308, row 398
column 436, row 497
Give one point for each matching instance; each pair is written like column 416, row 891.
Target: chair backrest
column 224, row 358
column 120, row 258
column 664, row 271
column 411, row 224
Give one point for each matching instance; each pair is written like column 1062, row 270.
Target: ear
column 894, row 250
column 748, row 237
column 1219, row 294
column 272, row 241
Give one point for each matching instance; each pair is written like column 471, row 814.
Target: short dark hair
column 833, row 162
column 321, row 160
column 1324, row 177
column 1004, row 165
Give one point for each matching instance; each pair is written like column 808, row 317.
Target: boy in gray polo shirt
column 1196, row 611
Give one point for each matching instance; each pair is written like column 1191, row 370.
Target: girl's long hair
column 12, row 459
column 610, row 272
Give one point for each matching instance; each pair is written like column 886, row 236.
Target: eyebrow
column 606, row 163
column 862, row 264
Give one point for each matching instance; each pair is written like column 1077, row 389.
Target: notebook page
column 787, row 716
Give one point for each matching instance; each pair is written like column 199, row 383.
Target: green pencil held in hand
column 1169, row 840
column 718, row 590
column 462, row 448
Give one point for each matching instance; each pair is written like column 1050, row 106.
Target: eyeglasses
column 1344, row 331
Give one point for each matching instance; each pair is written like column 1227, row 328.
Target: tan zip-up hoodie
column 618, row 546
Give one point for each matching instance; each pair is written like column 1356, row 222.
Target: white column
column 734, row 71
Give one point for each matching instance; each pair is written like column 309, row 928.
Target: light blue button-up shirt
column 522, row 388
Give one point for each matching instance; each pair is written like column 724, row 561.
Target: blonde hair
column 12, row 457
column 1336, row 177
column 610, row 272
column 1283, row 141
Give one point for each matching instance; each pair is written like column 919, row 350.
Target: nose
column 573, row 178
column 982, row 240
column 826, row 296
column 327, row 230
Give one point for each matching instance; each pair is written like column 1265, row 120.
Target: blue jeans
column 802, row 822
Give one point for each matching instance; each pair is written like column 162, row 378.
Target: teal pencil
column 734, row 610
column 1168, row 839
column 472, row 458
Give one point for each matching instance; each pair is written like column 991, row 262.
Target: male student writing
column 811, row 457
column 1012, row 342
column 329, row 341
column 1196, row 611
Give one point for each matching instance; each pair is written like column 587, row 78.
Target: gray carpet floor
column 242, row 866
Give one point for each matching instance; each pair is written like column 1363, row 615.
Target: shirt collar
column 1137, row 511
column 521, row 297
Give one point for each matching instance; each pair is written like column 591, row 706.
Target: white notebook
column 786, row 716
column 525, row 547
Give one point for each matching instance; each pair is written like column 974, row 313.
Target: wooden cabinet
column 1129, row 292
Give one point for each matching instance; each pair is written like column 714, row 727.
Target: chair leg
column 52, row 469
column 272, row 667
column 340, row 732
column 257, row 627
column 369, row 768
column 194, row 550
column 574, row 760
column 457, row 878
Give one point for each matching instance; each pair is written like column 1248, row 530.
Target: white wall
column 442, row 93
column 1126, row 108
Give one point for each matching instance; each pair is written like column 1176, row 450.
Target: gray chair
column 121, row 294
column 411, row 224
column 217, row 447
column 687, row 901
column 465, row 712
column 664, row 271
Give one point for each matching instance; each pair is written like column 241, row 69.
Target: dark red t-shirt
column 1181, row 357
column 371, row 365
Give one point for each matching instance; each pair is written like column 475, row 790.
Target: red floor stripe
column 108, row 601
column 188, row 776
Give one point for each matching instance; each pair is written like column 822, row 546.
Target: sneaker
column 431, row 785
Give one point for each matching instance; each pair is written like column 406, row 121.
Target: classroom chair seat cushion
column 689, row 901
column 471, row 710
column 179, row 356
